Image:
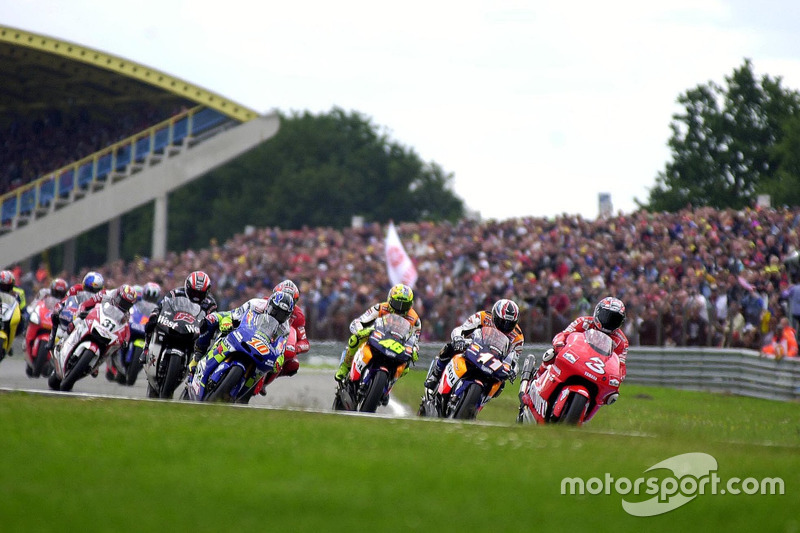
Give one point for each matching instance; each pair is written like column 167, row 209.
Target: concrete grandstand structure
column 201, row 131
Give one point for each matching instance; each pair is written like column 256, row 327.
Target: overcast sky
column 535, row 107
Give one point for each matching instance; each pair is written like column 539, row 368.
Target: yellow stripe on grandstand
column 127, row 68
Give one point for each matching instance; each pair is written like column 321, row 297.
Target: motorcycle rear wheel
column 375, row 392
column 467, row 408
column 223, row 391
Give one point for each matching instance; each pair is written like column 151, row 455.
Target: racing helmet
column 59, row 288
column 609, row 314
column 7, row 281
column 124, row 298
column 505, row 315
column 280, row 306
column 288, row 286
column 151, row 292
column 197, row 285
column 93, row 282
column 139, row 290
column 400, row 298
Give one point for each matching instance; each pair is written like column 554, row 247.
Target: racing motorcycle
column 93, row 339
column 377, row 365
column 470, row 379
column 40, row 323
column 124, row 366
column 10, row 315
column 584, row 376
column 171, row 345
column 236, row 361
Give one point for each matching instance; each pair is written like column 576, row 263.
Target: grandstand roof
column 41, row 72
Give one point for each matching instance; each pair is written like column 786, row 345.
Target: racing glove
column 459, row 344
column 225, row 324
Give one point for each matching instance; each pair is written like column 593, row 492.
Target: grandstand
column 116, row 134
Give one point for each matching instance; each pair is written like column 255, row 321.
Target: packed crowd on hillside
column 700, row 277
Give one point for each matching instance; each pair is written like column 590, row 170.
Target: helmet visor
column 610, row 320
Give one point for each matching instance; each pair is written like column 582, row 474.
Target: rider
column 400, row 300
column 91, row 284
column 608, row 317
column 279, row 306
column 196, row 288
column 298, row 323
column 504, row 317
column 57, row 289
column 10, row 298
column 123, row 297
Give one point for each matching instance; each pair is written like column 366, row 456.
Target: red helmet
column 197, row 285
column 609, row 314
column 289, row 287
column 125, row 298
column 7, row 281
column 58, row 288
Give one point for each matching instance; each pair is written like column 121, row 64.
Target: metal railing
column 116, row 161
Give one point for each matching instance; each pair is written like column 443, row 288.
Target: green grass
column 74, row 464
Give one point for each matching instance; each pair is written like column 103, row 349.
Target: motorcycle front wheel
column 223, row 391
column 78, row 370
column 41, row 359
column 375, row 392
column 575, row 410
column 467, row 408
column 172, row 377
column 134, row 368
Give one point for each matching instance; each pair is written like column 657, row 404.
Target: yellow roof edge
column 127, row 68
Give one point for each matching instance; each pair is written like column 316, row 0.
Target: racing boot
column 344, row 364
column 434, row 374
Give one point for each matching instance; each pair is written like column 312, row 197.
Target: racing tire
column 467, row 408
column 78, row 370
column 172, row 377
column 374, row 392
column 40, row 360
column 223, row 391
column 134, row 368
column 151, row 392
column 575, row 410
column 53, row 382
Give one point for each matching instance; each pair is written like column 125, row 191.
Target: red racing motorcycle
column 584, row 376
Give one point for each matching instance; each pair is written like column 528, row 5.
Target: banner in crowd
column 398, row 263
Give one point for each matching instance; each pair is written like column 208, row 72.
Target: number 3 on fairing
column 596, row 365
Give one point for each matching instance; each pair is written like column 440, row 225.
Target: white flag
column 398, row 264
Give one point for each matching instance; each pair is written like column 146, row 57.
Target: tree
column 725, row 144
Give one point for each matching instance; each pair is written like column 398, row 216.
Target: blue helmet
column 93, row 282
column 280, row 306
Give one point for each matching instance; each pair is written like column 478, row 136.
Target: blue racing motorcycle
column 236, row 361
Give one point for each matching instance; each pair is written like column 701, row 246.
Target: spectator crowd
column 698, row 277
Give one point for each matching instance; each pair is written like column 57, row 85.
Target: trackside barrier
column 721, row 370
